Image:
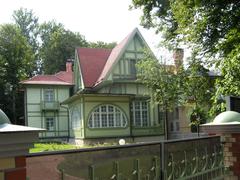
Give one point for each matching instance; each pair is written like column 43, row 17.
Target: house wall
column 36, row 117
column 90, row 103
column 77, row 132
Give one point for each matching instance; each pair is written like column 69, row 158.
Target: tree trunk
column 14, row 120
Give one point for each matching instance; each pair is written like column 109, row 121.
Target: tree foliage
column 210, row 28
column 101, row 44
column 160, row 79
column 198, row 85
column 28, row 24
column 200, row 22
column 15, row 65
column 59, row 47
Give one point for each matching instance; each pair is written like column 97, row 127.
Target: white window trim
column 45, row 92
column 76, row 124
column 46, row 123
column 123, row 118
column 133, row 112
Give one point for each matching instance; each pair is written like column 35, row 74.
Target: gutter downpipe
column 68, row 119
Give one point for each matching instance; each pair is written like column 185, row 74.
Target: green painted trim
column 104, row 129
column 51, row 137
column 84, row 119
column 34, row 116
column 153, row 109
column 147, row 127
column 107, row 101
column 58, row 122
column 137, row 88
column 35, row 111
column 33, row 103
column 41, row 93
column 79, row 72
column 120, row 67
column 134, row 51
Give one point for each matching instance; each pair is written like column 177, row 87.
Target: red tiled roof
column 65, row 76
column 92, row 61
column 61, row 78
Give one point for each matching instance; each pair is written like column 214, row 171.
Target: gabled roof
column 92, row 62
column 116, row 54
column 96, row 64
column 61, row 78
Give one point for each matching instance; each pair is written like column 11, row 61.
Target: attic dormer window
column 132, row 67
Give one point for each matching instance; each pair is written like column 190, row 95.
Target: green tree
column 58, row 48
column 101, row 44
column 163, row 81
column 199, row 86
column 211, row 27
column 201, row 23
column 16, row 65
column 27, row 22
column 199, row 89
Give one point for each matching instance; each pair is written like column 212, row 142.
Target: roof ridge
column 95, row 48
column 60, row 78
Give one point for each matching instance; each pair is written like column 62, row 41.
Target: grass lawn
column 57, row 146
column 41, row 147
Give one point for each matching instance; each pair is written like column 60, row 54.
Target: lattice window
column 140, row 114
column 107, row 116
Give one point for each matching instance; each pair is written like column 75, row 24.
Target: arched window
column 75, row 118
column 107, row 116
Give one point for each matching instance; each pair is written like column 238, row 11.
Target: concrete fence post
column 15, row 142
column 227, row 125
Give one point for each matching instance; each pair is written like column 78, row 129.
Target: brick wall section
column 232, row 154
column 13, row 168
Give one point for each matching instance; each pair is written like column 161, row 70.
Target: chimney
column 69, row 65
column 178, row 55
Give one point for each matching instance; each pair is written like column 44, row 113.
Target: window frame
column 76, row 124
column 96, row 121
column 49, row 97
column 134, row 111
column 53, row 123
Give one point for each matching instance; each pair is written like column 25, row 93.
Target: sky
column 97, row 20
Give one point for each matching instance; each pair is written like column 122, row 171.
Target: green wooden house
column 43, row 95
column 107, row 103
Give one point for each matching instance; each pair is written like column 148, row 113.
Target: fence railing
column 199, row 158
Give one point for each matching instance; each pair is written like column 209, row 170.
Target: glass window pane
column 103, row 109
column 110, row 108
column 50, row 124
column 48, row 95
column 118, row 119
column 104, row 120
column 111, row 120
column 107, row 116
column 96, row 120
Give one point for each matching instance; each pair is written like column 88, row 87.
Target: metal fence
column 198, row 158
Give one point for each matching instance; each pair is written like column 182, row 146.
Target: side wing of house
column 43, row 110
